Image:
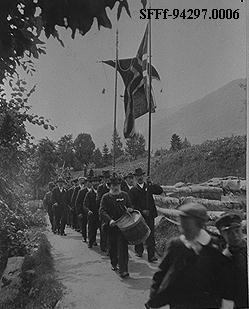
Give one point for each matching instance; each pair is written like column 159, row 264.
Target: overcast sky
column 193, row 58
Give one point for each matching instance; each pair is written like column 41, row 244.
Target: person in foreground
column 113, row 206
column 230, row 228
column 194, row 274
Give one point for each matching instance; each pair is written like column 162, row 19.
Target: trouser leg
column 84, row 226
column 63, row 221
column 122, row 247
column 139, row 249
column 92, row 228
column 51, row 218
column 113, row 247
column 57, row 219
column 103, row 237
column 150, row 242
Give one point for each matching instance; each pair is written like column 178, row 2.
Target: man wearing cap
column 60, row 204
column 48, row 203
column 193, row 274
column 103, row 189
column 113, row 205
column 92, row 211
column 230, row 228
column 127, row 183
column 82, row 215
column 142, row 199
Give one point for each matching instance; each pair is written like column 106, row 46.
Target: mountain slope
column 219, row 114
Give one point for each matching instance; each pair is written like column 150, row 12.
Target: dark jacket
column 70, row 194
column 90, row 203
column 239, row 269
column 102, row 189
column 124, row 186
column 80, row 201
column 61, row 198
column 138, row 198
column 74, row 196
column 191, row 280
column 112, row 207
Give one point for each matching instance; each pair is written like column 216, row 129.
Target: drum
column 134, row 228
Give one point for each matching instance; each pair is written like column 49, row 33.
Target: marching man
column 113, row 205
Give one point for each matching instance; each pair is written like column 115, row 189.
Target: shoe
column 139, row 255
column 90, row 246
column 124, row 275
column 114, row 268
column 103, row 249
column 95, row 244
column 63, row 234
column 154, row 259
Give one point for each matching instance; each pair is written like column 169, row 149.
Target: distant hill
column 221, row 113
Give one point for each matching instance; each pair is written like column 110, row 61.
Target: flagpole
column 149, row 135
column 115, row 103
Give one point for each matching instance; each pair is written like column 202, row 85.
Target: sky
column 193, row 58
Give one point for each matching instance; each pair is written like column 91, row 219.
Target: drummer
column 114, row 205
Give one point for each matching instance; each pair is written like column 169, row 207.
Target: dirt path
column 89, row 281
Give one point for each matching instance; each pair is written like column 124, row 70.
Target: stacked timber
column 198, row 191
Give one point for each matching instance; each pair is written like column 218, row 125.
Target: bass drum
column 133, row 227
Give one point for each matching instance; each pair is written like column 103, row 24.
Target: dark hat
column 60, row 179
column 139, row 172
column 228, row 220
column 129, row 175
column 194, row 210
column 106, row 174
column 114, row 180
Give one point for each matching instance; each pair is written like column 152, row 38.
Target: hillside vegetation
column 198, row 163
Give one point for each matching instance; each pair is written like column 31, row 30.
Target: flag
column 133, row 72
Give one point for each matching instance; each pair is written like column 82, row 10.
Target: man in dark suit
column 141, row 196
column 127, row 183
column 230, row 227
column 60, row 204
column 92, row 211
column 113, row 205
column 48, row 204
column 74, row 183
column 102, row 189
column 73, row 206
column 82, row 215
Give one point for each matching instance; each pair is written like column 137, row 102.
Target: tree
column 118, row 145
column 185, row 143
column 176, row 143
column 65, row 150
column 135, row 146
column 46, row 160
column 22, row 22
column 84, row 147
column 106, row 155
column 97, row 158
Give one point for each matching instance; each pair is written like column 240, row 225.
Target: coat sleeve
column 156, row 189
column 86, row 203
column 54, row 199
column 103, row 210
column 162, row 270
column 128, row 201
column 132, row 197
column 78, row 203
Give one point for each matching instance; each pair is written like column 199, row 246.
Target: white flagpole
column 150, row 105
column 115, row 102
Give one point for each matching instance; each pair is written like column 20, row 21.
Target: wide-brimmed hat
column 194, row 210
column 129, row 175
column 139, row 172
column 106, row 174
column 228, row 221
